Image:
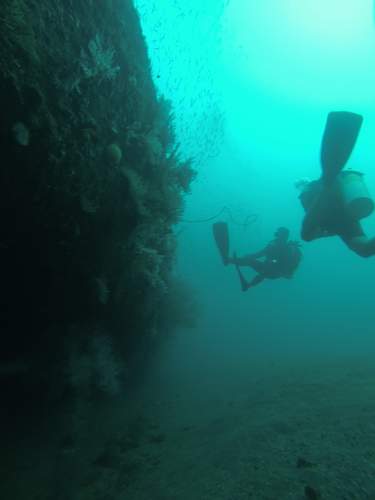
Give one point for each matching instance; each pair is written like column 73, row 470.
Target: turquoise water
column 271, row 395
column 251, row 84
column 284, row 370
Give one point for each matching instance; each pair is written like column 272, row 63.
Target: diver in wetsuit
column 327, row 213
column 280, row 259
column 338, row 200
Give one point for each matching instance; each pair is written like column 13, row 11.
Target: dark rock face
column 91, row 181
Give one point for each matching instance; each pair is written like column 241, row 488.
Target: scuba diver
column 335, row 203
column 281, row 256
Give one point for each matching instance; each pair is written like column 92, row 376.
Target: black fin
column 339, row 138
column 221, row 235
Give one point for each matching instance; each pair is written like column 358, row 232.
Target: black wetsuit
column 333, row 219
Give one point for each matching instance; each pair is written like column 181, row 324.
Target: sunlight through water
column 315, row 50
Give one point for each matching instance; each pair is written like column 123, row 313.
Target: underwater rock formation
column 91, row 180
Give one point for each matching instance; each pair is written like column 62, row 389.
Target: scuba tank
column 348, row 188
column 354, row 194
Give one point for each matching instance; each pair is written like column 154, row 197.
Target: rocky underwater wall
column 91, row 185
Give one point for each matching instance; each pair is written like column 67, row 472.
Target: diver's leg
column 243, row 281
column 245, row 285
column 256, row 280
column 248, row 261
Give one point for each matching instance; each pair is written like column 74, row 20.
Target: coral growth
column 95, row 183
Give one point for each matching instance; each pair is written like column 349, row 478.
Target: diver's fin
column 244, row 284
column 221, row 235
column 339, row 138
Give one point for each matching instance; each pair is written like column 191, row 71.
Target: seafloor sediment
column 280, row 431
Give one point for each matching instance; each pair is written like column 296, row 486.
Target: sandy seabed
column 295, row 432
column 279, row 432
